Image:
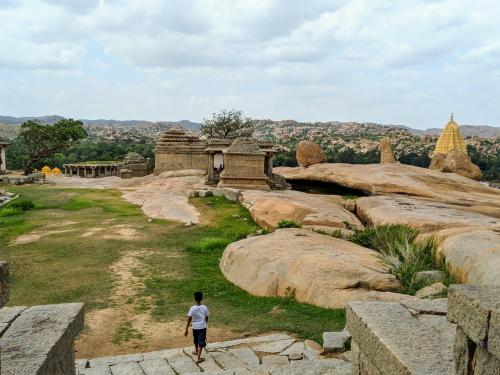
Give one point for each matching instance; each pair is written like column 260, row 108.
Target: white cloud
column 317, row 60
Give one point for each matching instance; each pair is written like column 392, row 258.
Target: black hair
column 198, row 296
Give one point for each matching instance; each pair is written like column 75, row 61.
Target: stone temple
column 243, row 163
column 450, row 139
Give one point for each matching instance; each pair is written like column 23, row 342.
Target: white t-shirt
column 198, row 313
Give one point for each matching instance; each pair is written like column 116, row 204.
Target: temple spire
column 451, row 117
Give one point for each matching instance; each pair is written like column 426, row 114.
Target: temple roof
column 450, row 139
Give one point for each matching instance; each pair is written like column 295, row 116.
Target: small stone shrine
column 3, row 158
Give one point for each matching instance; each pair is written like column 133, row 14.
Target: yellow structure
column 46, row 170
column 56, row 171
column 450, row 139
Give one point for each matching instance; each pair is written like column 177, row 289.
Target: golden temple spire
column 450, row 139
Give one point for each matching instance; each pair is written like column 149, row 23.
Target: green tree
column 228, row 124
column 43, row 141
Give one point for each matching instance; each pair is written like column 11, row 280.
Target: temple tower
column 450, row 139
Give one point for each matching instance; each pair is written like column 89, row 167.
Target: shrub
column 23, row 204
column 403, row 256
column 10, row 211
column 209, row 244
column 289, row 224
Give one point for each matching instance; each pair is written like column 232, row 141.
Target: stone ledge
column 392, row 341
column 39, row 340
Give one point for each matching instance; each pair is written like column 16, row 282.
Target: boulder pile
column 456, row 162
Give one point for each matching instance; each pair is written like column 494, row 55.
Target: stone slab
column 470, row 307
column 296, row 348
column 184, row 365
column 278, row 360
column 396, row 342
column 227, row 360
column 335, row 341
column 115, row 360
column 165, row 354
column 8, row 314
column 274, row 346
column 130, row 368
column 95, row 371
column 209, row 364
column 246, row 355
column 40, row 340
column 156, row 366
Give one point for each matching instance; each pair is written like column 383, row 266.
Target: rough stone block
column 335, row 341
column 40, row 340
column 157, row 366
column 209, row 364
column 486, row 363
column 95, row 371
column 8, row 314
column 429, row 277
column 431, row 291
column 273, row 347
column 165, row 354
column 228, row 361
column 355, row 359
column 184, row 365
column 395, row 342
column 463, row 351
column 494, row 334
column 470, row 307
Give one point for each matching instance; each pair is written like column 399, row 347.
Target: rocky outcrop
column 424, row 214
column 309, row 153
column 456, row 162
column 386, row 155
column 314, row 268
column 4, row 283
column 405, row 179
column 312, row 210
column 471, row 254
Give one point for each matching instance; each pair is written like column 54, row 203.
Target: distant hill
column 482, row 131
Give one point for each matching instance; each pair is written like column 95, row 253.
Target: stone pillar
column 3, row 164
column 270, row 165
column 85, row 172
column 476, row 311
column 93, row 172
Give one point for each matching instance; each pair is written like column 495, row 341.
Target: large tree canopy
column 42, row 141
column 228, row 124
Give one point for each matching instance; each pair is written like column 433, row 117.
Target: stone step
column 261, row 355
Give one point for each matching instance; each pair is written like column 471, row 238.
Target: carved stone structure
column 176, row 150
column 3, row 158
column 135, row 165
column 92, row 170
column 242, row 163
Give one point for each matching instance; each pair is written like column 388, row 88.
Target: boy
column 198, row 315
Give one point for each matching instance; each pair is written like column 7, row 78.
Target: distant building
column 450, row 139
column 239, row 163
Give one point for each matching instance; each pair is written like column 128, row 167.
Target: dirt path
column 129, row 327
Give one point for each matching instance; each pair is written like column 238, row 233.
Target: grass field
column 67, row 249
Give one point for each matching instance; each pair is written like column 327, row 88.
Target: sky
column 403, row 62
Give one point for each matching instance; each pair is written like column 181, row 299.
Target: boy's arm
column 186, row 332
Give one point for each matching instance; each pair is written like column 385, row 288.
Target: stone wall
column 476, row 311
column 178, row 161
column 4, row 283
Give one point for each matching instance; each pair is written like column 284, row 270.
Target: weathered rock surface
column 315, row 268
column 386, row 155
column 471, row 254
column 4, row 283
column 424, row 214
column 309, row 153
column 388, row 339
column 335, row 341
column 39, row 339
column 405, row 179
column 456, row 162
column 312, row 210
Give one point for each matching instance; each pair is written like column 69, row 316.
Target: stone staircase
column 274, row 354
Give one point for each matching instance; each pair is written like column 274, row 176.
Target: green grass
column 179, row 260
column 289, row 224
column 398, row 249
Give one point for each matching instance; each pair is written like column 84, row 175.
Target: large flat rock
column 471, row 254
column 316, row 268
column 421, row 213
column 312, row 210
column 404, row 179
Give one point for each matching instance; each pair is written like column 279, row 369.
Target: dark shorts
column 200, row 337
